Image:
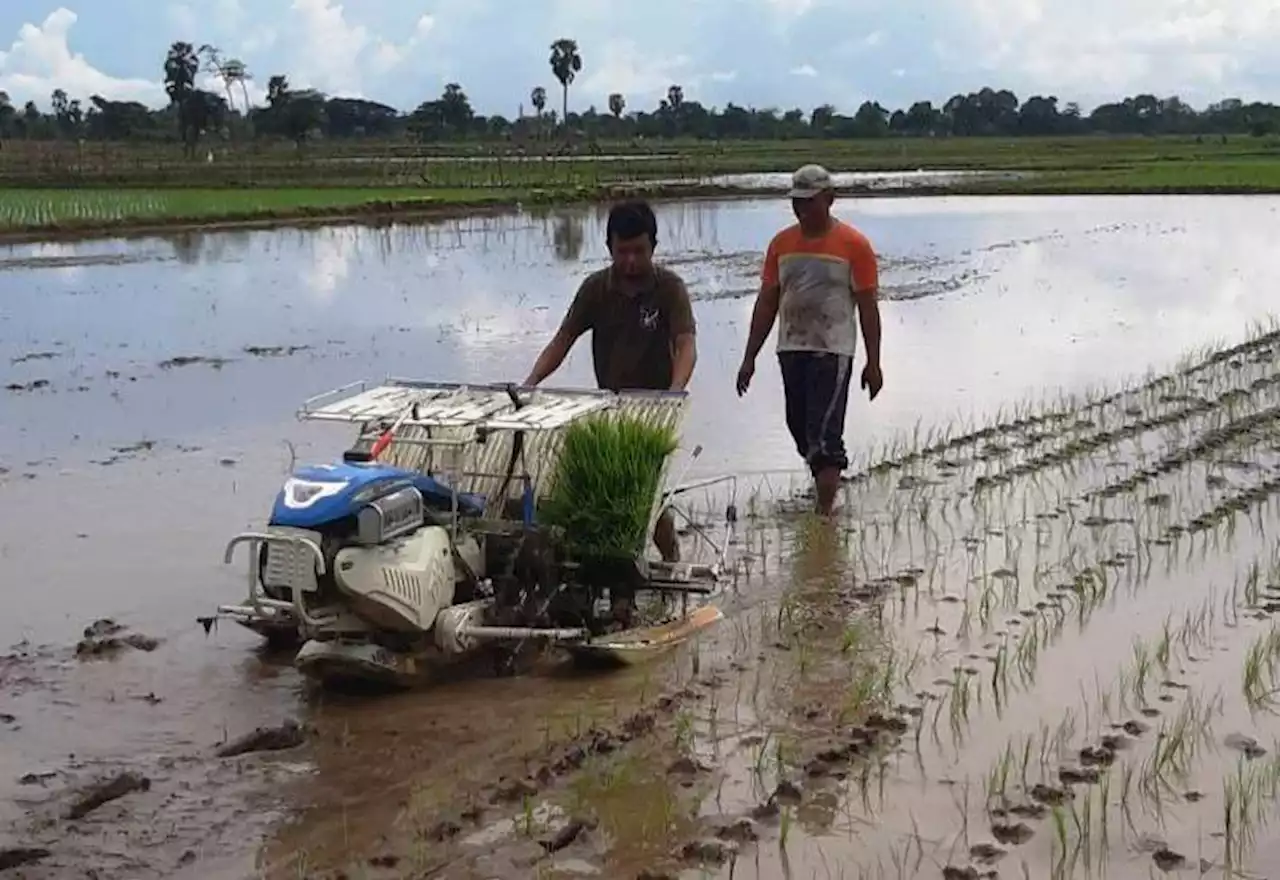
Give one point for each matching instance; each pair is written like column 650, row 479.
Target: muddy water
column 155, row 378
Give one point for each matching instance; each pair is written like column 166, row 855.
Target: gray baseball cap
column 809, row 181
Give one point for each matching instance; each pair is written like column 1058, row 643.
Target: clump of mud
column 263, row 351
column 22, row 387
column 187, row 360
column 105, row 638
column 107, row 791
column 265, row 739
column 17, row 856
column 34, row 356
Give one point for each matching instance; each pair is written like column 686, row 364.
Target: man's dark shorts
column 816, row 389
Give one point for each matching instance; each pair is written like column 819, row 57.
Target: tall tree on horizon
column 566, row 62
column 180, row 68
column 230, row 70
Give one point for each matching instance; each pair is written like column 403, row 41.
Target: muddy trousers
column 815, row 386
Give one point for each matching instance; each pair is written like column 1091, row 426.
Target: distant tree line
column 301, row 115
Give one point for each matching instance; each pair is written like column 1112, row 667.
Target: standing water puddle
column 148, row 386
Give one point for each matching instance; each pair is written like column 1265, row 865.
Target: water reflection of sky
column 1006, row 296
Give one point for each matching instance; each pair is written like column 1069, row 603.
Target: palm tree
column 565, row 64
column 180, row 67
column 538, row 97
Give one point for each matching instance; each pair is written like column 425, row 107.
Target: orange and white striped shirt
column 818, row 278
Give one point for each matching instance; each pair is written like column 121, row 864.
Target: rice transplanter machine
column 423, row 542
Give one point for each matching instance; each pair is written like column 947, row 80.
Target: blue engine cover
column 319, row 494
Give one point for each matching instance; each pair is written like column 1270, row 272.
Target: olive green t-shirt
column 632, row 333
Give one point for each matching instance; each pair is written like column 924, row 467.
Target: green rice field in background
column 74, row 208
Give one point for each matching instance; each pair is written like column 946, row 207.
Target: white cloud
column 329, row 48
column 40, row 60
column 641, row 74
column 790, row 9
column 1108, row 49
column 182, row 17
column 334, row 55
column 401, row 51
column 228, row 12
column 387, row 55
column 259, row 40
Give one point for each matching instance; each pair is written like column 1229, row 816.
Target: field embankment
column 64, row 188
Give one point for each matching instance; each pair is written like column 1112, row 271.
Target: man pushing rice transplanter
column 817, row 273
column 641, row 323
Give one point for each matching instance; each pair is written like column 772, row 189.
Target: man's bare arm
column 763, row 314
column 684, row 356
column 552, row 356
column 576, row 321
column 869, row 319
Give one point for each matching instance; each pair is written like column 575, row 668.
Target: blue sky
column 782, row 53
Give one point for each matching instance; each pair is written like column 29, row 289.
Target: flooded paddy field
column 1037, row 642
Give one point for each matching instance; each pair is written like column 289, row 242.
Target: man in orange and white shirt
column 818, row 275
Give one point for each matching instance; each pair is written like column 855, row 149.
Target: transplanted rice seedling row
column 1002, row 596
column 70, row 208
column 1169, row 777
